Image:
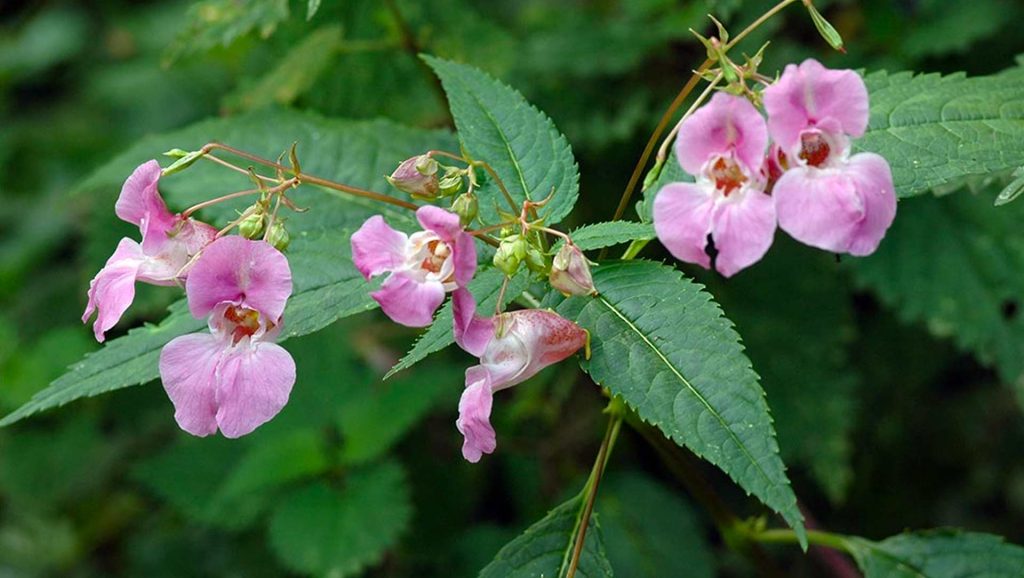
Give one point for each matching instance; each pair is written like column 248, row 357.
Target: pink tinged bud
column 570, row 272
column 416, row 176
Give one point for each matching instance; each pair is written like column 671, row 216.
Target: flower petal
column 255, row 382
column 377, row 248
column 472, row 332
column 531, row 340
column 727, row 123
column 140, row 200
column 445, row 223
column 464, row 256
column 409, row 302
column 112, row 290
column 188, row 370
column 682, row 221
column 743, row 231
column 809, row 94
column 819, row 207
column 874, row 185
column 475, row 416
column 235, row 269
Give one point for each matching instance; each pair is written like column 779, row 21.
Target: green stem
column 816, row 537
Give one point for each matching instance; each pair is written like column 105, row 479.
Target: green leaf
column 497, row 125
column 650, row 531
column 953, row 264
column 485, row 288
column 327, row 285
column 670, row 172
column 276, row 461
column 600, row 235
column 936, row 129
column 660, row 342
column 214, row 23
column 938, row 554
column 1013, row 190
column 542, row 548
column 326, row 531
column 311, row 9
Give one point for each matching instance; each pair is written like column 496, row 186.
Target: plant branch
column 815, row 537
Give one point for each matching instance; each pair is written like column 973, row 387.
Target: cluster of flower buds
column 418, row 177
column 806, row 182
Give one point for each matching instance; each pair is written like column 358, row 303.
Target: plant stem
column 189, row 211
column 816, row 537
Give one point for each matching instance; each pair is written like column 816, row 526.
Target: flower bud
column 278, row 236
column 416, row 176
column 451, row 184
column 466, row 207
column 535, row 260
column 251, row 227
column 510, row 254
column 185, row 160
column 570, row 272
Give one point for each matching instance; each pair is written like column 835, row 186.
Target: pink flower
column 512, row 348
column 827, row 198
column 424, row 266
column 168, row 242
column 722, row 145
column 235, row 377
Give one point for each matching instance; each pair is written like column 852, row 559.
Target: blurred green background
column 894, row 406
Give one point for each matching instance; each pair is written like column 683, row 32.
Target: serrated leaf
column 938, row 554
column 214, row 23
column 485, row 288
column 661, row 343
column 497, row 125
column 337, row 532
column 600, row 235
column 935, row 129
column 541, row 549
column 671, row 172
column 276, row 461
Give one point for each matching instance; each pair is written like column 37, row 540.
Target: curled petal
column 743, row 231
column 464, row 255
column 140, row 200
column 472, row 332
column 112, row 291
column 188, row 370
column 409, row 302
column 446, row 224
column 820, row 208
column 726, row 124
column 475, row 416
column 809, row 95
column 237, row 270
column 547, row 337
column 377, row 248
column 682, row 221
column 255, row 382
column 873, row 180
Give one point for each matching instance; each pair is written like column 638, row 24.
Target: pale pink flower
column 722, row 145
column 168, row 242
column 235, row 377
column 424, row 266
column 827, row 198
column 512, row 348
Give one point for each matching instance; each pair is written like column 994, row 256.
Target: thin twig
column 610, row 435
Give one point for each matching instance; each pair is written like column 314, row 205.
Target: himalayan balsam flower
column 168, row 242
column 424, row 266
column 722, row 145
column 827, row 198
column 512, row 348
column 235, row 377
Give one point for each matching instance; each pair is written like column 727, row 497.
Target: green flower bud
column 570, row 272
column 251, row 227
column 279, row 237
column 506, row 258
column 450, row 184
column 535, row 260
column 466, row 207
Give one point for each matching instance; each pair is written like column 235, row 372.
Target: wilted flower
column 512, row 348
column 722, row 145
column 570, row 272
column 235, row 377
column 827, row 198
column 416, row 176
column 424, row 265
column 168, row 243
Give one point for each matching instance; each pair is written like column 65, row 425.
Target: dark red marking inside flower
column 439, row 252
column 245, row 320
column 727, row 175
column 814, row 149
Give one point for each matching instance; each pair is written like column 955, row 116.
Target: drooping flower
column 168, row 243
column 235, row 377
column 424, row 266
column 827, row 198
column 722, row 145
column 512, row 348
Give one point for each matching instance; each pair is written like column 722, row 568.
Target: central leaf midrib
column 505, row 141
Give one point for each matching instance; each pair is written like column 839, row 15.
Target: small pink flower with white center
column 512, row 348
column 722, row 145
column 235, row 377
column 827, row 198
column 168, row 242
column 424, row 266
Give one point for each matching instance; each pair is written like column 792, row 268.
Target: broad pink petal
column 195, row 235
column 874, row 185
column 819, row 207
column 475, row 416
column 446, row 224
column 188, row 370
column 409, row 302
column 743, row 231
column 255, row 382
column 235, row 269
column 682, row 221
column 112, row 290
column 726, row 123
column 464, row 255
column 377, row 248
column 472, row 332
column 140, row 200
column 534, row 338
column 809, row 94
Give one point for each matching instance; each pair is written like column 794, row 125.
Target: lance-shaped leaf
column 497, row 125
column 661, row 343
column 600, row 235
column 938, row 554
